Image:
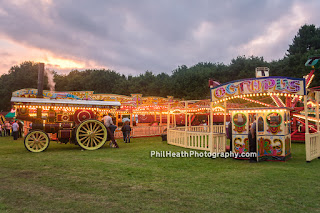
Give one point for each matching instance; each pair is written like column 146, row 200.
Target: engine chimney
column 40, row 80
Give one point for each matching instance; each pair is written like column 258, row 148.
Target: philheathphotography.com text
column 197, row 154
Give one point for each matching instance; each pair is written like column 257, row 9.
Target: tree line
column 184, row 82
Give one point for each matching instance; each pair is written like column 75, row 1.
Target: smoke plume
column 51, row 83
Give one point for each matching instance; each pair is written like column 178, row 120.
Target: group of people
column 126, row 129
column 14, row 129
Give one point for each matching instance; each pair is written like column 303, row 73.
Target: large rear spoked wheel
column 36, row 141
column 91, row 134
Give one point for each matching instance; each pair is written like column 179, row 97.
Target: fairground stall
column 271, row 101
column 273, row 132
column 147, row 115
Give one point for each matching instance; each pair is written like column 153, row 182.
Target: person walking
column 15, row 130
column 126, row 129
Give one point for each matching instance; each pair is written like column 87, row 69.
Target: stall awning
column 10, row 115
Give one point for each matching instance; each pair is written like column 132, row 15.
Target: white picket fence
column 312, row 141
column 216, row 128
column 142, row 131
column 199, row 140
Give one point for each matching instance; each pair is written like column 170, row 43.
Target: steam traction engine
column 63, row 120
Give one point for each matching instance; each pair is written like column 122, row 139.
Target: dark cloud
column 134, row 36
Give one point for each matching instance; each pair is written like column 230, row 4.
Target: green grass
column 66, row 179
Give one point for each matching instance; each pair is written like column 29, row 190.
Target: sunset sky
column 132, row 36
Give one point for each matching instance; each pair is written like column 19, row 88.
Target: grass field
column 66, row 179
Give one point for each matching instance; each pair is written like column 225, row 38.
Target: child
column 126, row 129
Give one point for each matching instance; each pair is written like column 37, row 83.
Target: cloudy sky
column 132, row 36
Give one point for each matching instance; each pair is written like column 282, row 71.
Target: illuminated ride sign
column 265, row 85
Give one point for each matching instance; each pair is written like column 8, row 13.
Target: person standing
column 107, row 120
column 8, row 128
column 126, row 129
column 253, row 142
column 20, row 128
column 15, row 130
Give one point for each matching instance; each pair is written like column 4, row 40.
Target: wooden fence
column 142, row 131
column 216, row 128
column 312, row 146
column 200, row 140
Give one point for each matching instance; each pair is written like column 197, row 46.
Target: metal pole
column 212, row 148
column 186, row 116
column 225, row 116
column 307, row 138
column 168, row 118
column 317, row 108
column 186, row 125
column 211, row 117
column 306, row 114
column 131, row 120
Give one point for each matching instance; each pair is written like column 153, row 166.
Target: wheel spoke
column 40, row 145
column 95, row 127
column 99, row 134
column 41, row 137
column 85, row 137
column 88, row 127
column 95, row 142
column 31, row 143
column 83, row 127
column 86, row 142
column 99, row 137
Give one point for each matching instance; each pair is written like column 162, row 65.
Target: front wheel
column 91, row 134
column 36, row 141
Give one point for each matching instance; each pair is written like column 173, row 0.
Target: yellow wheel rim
column 36, row 141
column 91, row 134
